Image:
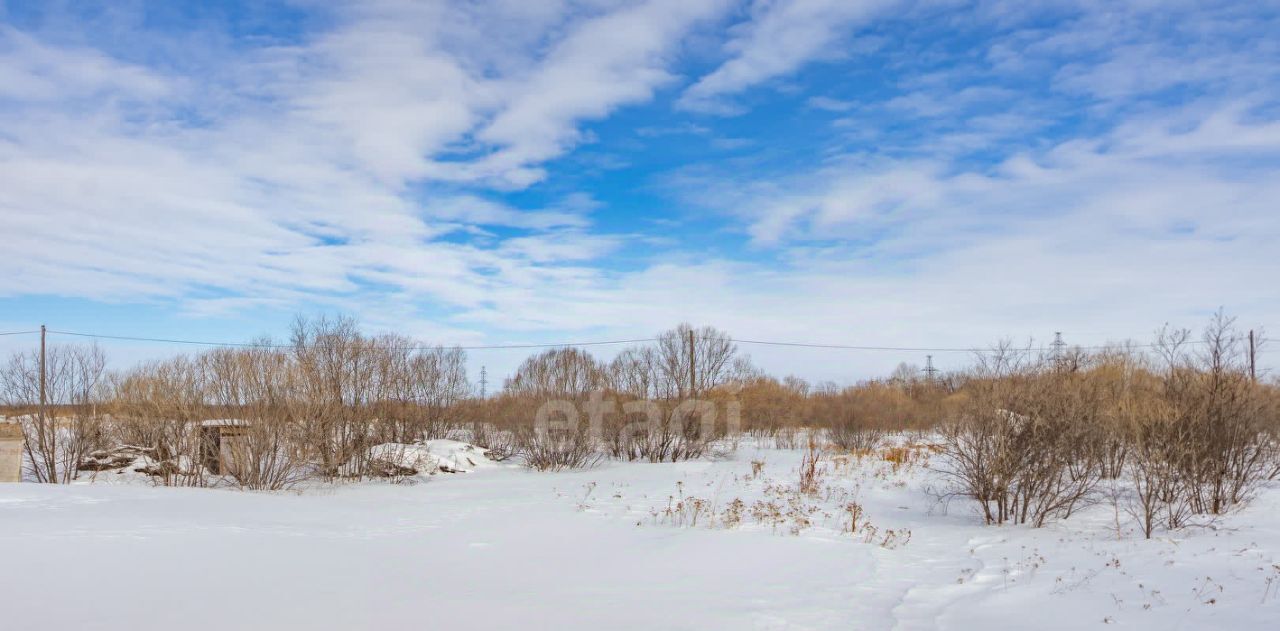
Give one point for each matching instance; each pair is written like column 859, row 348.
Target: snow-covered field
column 722, row 544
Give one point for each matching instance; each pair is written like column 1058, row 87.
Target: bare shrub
column 788, row 437
column 689, row 433
column 1022, row 448
column 1159, row 493
column 265, row 452
column 1192, row 435
column 850, row 418
column 1229, row 416
column 769, row 405
column 63, row 433
column 156, row 406
column 852, row 435
column 316, row 406
column 637, row 431
column 557, row 450
column 494, row 423
column 1204, row 440
column 541, row 402
column 418, row 389
column 337, row 371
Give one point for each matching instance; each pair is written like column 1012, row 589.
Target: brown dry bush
column 71, row 426
column 1221, row 422
column 504, row 423
column 1028, row 437
column 558, row 450
column 314, row 407
column 641, row 429
column 770, row 406
column 692, row 428
column 1159, row 493
column 259, row 385
column 857, row 419
column 810, row 472
column 643, row 405
column 543, row 398
column 1024, row 445
column 335, row 390
column 419, row 390
column 1191, row 434
column 557, row 439
column 155, row 407
column 351, row 392
column 489, row 424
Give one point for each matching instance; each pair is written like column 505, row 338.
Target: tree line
column 1171, row 431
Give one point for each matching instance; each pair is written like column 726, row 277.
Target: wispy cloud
column 778, row 38
column 323, row 164
column 490, row 169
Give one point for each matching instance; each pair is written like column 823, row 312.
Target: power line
column 935, row 349
column 414, row 347
column 98, row 336
column 557, row 345
column 903, row 349
column 862, row 348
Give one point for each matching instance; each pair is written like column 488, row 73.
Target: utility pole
column 692, row 375
column 43, row 378
column 1253, row 358
column 484, row 382
column 929, row 371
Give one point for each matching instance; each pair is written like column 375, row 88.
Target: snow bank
column 596, row 549
column 432, row 456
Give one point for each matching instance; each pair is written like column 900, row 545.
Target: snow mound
column 432, row 456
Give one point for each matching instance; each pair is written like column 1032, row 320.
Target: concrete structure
column 221, row 441
column 10, row 451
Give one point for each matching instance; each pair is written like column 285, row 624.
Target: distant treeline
column 1029, row 436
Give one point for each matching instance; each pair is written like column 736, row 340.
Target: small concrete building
column 220, row 440
column 10, row 450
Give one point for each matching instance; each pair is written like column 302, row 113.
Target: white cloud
column 471, row 209
column 613, row 60
column 829, row 104
column 1153, row 173
column 367, row 156
column 302, row 171
column 1160, row 220
column 34, row 72
column 778, row 38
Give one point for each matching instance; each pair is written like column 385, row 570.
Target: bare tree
column 560, row 372
column 637, row 372
column 155, row 408
column 260, row 448
column 419, row 389
column 60, row 435
column 337, row 377
column 711, row 353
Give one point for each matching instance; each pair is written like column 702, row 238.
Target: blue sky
column 882, row 172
